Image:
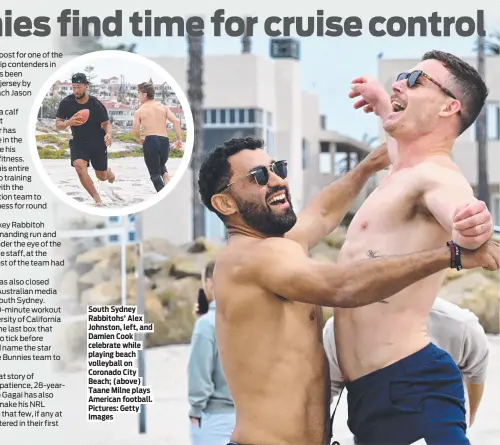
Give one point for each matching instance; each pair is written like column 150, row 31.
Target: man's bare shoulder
column 246, row 257
column 440, row 172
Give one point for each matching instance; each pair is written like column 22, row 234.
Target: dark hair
column 209, row 269
column 215, row 171
column 148, row 88
column 471, row 89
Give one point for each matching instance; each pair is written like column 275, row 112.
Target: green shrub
column 174, row 153
column 48, row 138
column 51, row 152
column 171, row 135
column 136, row 153
column 127, row 137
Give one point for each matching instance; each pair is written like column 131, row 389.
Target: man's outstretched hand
column 372, row 96
column 487, row 257
column 472, row 225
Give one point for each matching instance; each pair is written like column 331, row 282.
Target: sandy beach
column 132, row 180
column 167, row 422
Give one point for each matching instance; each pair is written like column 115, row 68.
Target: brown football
column 83, row 114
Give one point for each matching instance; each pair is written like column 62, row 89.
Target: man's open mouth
column 277, row 199
column 397, row 106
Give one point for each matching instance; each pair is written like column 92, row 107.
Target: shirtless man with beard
column 268, row 289
column 401, row 387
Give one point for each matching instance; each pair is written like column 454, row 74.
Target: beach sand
column 167, row 420
column 132, row 180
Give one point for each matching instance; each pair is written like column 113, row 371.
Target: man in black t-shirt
column 91, row 139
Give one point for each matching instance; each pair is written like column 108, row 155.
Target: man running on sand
column 156, row 146
column 90, row 139
column 269, row 327
column 401, row 387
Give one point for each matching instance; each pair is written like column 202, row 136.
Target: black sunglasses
column 261, row 174
column 415, row 75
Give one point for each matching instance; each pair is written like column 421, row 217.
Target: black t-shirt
column 91, row 129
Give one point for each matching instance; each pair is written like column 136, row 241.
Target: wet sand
column 132, row 180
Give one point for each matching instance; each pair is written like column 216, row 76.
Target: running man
column 401, row 387
column 269, row 327
column 91, row 139
column 152, row 116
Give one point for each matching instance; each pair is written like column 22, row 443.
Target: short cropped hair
column 471, row 89
column 215, row 171
column 148, row 88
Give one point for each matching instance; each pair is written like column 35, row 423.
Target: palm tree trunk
column 483, row 191
column 195, row 96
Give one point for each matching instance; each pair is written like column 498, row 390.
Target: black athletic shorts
column 156, row 150
column 94, row 152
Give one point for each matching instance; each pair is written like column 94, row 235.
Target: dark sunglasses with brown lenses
column 415, row 75
column 261, row 174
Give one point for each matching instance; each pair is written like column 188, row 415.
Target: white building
column 251, row 95
column 127, row 223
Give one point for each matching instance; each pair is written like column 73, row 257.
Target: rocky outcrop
column 172, row 279
column 477, row 290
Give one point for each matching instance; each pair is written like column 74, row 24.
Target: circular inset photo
column 112, row 133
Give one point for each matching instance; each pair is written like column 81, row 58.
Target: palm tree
column 369, row 140
column 246, row 43
column 483, row 191
column 77, row 46
column 195, row 96
column 89, row 69
column 492, row 45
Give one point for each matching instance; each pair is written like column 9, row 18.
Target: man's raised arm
column 374, row 99
column 326, row 211
column 450, row 199
column 282, row 267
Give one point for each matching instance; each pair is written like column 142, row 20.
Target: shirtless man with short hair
column 268, row 289
column 152, row 116
column 401, row 387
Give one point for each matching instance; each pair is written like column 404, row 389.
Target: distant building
column 128, row 224
column 251, row 95
column 121, row 99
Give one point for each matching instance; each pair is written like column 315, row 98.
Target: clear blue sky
column 327, row 65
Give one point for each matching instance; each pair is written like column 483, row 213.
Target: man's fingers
column 472, row 221
column 360, row 103
column 469, row 210
column 353, row 94
column 368, row 109
column 485, row 228
column 491, row 256
column 360, row 79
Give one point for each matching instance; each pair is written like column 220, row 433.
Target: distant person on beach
column 152, row 116
column 269, row 291
column 211, row 408
column 453, row 329
column 91, row 139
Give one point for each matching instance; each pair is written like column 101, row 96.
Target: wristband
column 455, row 261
